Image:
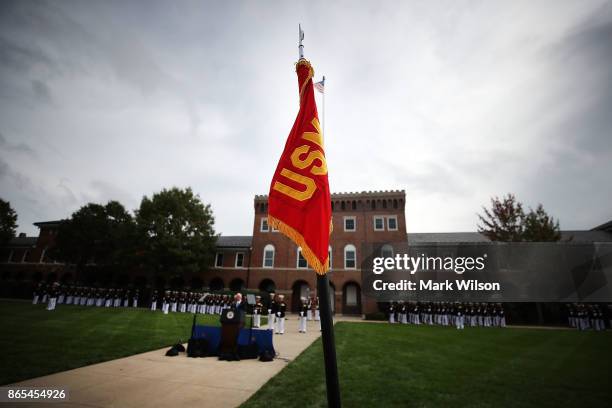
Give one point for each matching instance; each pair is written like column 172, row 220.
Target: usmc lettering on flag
column 299, row 203
column 304, row 157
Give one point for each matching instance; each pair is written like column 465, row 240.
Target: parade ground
column 382, row 364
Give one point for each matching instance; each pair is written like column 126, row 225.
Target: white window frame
column 347, row 248
column 267, row 248
column 297, row 259
column 350, row 217
column 236, row 260
column 392, row 217
column 261, row 225
column 379, row 217
column 217, row 260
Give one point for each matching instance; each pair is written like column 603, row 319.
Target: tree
column 8, row 222
column 178, row 232
column 504, row 222
column 507, row 221
column 540, row 227
column 100, row 234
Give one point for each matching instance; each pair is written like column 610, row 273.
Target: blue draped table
column 212, row 334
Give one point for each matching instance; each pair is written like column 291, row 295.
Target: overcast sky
column 454, row 102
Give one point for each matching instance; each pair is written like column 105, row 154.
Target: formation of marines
column 586, row 317
column 56, row 294
column 458, row 315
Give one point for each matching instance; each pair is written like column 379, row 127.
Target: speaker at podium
column 232, row 320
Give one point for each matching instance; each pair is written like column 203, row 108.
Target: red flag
column 299, row 204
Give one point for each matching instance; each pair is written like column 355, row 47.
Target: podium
column 232, row 320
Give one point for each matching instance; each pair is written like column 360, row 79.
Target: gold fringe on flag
column 298, row 239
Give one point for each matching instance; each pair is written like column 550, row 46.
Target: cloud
column 20, row 147
column 453, row 102
column 41, row 91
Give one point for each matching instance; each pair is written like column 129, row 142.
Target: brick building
column 267, row 260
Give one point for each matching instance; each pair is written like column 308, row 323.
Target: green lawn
column 36, row 342
column 383, row 365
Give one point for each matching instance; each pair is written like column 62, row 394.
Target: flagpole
column 327, row 323
column 323, row 111
column 329, row 347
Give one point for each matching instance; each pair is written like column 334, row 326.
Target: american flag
column 320, row 86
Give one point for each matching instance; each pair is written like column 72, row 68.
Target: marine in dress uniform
column 459, row 318
column 154, row 301
column 281, row 308
column 310, row 307
column 36, row 295
column 391, row 312
column 173, row 301
column 257, row 310
column 303, row 315
column 272, row 312
column 166, row 302
column 53, row 291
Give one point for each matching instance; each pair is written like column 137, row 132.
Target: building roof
column 442, row 237
column 235, row 241
column 22, row 242
column 586, row 236
column 356, row 194
column 604, row 227
column 457, row 237
column 48, row 223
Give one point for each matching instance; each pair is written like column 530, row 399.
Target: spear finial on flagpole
column 301, row 37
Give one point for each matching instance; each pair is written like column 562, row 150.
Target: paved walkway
column 153, row 380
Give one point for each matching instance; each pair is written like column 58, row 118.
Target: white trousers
column 271, row 321
column 303, row 324
column 154, row 306
column 256, row 320
column 51, row 304
column 35, row 300
column 309, row 314
column 280, row 325
column 317, row 315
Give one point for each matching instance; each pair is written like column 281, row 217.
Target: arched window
column 301, row 261
column 216, row 284
column 236, row 285
column 386, row 251
column 267, row 285
column 268, row 256
column 350, row 257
